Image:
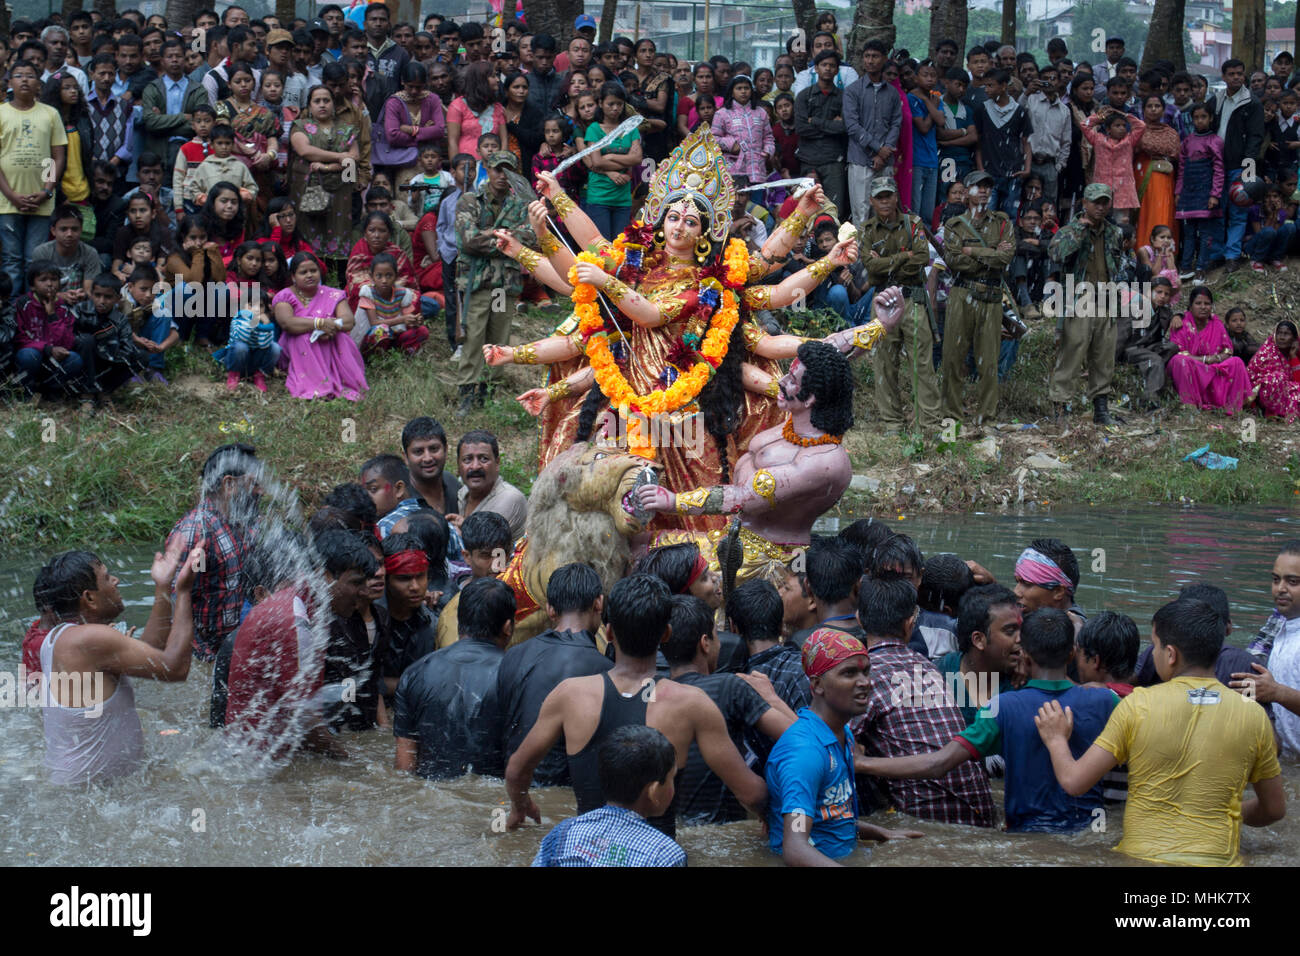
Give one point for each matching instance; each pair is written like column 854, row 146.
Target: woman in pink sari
column 903, row 157
column 324, row 361
column 1275, row 373
column 1205, row 371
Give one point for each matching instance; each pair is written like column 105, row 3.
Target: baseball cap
column 1097, row 191
column 276, row 37
column 301, row 37
column 317, row 26
column 584, row 21
column 883, row 184
column 503, row 158
column 975, row 177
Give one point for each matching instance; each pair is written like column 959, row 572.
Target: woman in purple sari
column 1205, row 371
column 324, row 361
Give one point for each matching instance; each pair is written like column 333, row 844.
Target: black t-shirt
column 849, row 626
column 350, row 656
column 733, row 654
column 448, row 703
column 408, row 641
column 702, row 797
column 530, row 671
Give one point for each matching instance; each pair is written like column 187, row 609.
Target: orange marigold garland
column 686, row 388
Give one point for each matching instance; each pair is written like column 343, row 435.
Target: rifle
column 1012, row 324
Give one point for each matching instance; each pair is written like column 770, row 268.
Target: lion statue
column 582, row 508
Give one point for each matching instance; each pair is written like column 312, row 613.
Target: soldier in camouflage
column 977, row 246
column 490, row 280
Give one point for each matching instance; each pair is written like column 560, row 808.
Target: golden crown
column 696, row 170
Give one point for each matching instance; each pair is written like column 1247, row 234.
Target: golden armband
column 559, row 390
column 868, row 335
column 708, row 500
column 758, row 296
column 765, row 485
column 773, row 389
column 820, row 269
column 529, row 259
column 616, row 290
column 796, row 224
column 564, row 205
column 526, row 354
column 550, row 245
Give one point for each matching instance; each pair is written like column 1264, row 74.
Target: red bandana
column 700, row 567
column 407, row 563
column 826, row 648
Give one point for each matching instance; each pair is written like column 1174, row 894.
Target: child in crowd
column 275, row 268
column 142, row 252
column 188, row 159
column 557, row 136
column 705, row 107
column 78, row 262
column 487, row 144
column 1198, row 188
column 1029, row 267
column 787, row 138
column 462, row 166
column 388, row 315
column 1150, row 349
column 638, row 765
column 954, row 205
column 150, row 318
column 1270, row 153
column 252, row 348
column 150, row 171
column 486, row 538
column 398, row 209
column 245, row 274
column 1244, row 345
column 222, row 166
column 944, row 579
column 799, row 608
column 117, row 356
column 1106, row 652
column 1269, row 230
column 1160, row 257
column 142, row 222
column 47, row 351
column 432, row 182
column 1289, row 132
column 1113, row 136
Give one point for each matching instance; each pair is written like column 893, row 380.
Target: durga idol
column 681, row 342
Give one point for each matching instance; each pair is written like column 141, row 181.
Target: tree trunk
column 554, row 17
column 284, row 10
column 608, row 12
column 1008, row 22
column 1165, row 35
column 179, row 13
column 1248, row 33
column 948, row 20
column 805, row 18
column 108, row 10
column 69, row 8
column 872, row 20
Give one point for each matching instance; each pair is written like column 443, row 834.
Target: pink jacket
column 745, row 135
column 1113, row 161
column 470, row 130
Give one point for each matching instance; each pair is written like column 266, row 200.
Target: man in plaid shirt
column 224, row 522
column 910, row 712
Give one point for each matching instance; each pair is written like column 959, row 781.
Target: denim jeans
column 156, row 328
column 925, row 183
column 36, row 371
column 19, row 236
column 244, row 360
column 829, row 296
column 1200, row 242
column 1234, row 220
column 608, row 220
column 1006, row 195
column 1269, row 245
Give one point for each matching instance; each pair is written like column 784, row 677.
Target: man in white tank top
column 92, row 730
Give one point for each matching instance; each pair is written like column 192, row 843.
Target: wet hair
column 864, row 534
column 884, row 606
column 1113, row 639
column 263, row 565
column 486, row 531
column 944, row 579
column 479, row 436
column 61, row 582
column 833, row 569
column 422, row 429
column 233, row 460
column 1047, row 635
column 639, row 608
column 896, row 557
column 1059, row 552
column 330, row 518
column 691, row 619
column 974, row 611
column 400, row 541
column 671, row 564
column 353, row 498
column 1214, row 597
column 343, row 551
column 1193, row 627
column 486, row 604
column 434, row 534
column 631, row 758
column 389, row 467
column 756, row 611
column 573, row 587
column 828, row 378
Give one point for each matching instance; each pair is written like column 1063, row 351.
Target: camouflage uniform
column 901, row 261
column 1086, row 337
column 482, row 270
column 975, row 306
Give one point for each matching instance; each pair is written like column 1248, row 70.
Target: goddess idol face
column 683, row 226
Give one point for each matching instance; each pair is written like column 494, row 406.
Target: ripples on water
column 361, row 811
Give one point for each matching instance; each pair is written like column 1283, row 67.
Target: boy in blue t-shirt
column 812, row 799
column 1035, row 802
column 927, row 116
column 637, row 769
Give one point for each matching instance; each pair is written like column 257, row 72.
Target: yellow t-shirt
column 27, row 139
column 75, row 185
column 1191, row 746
